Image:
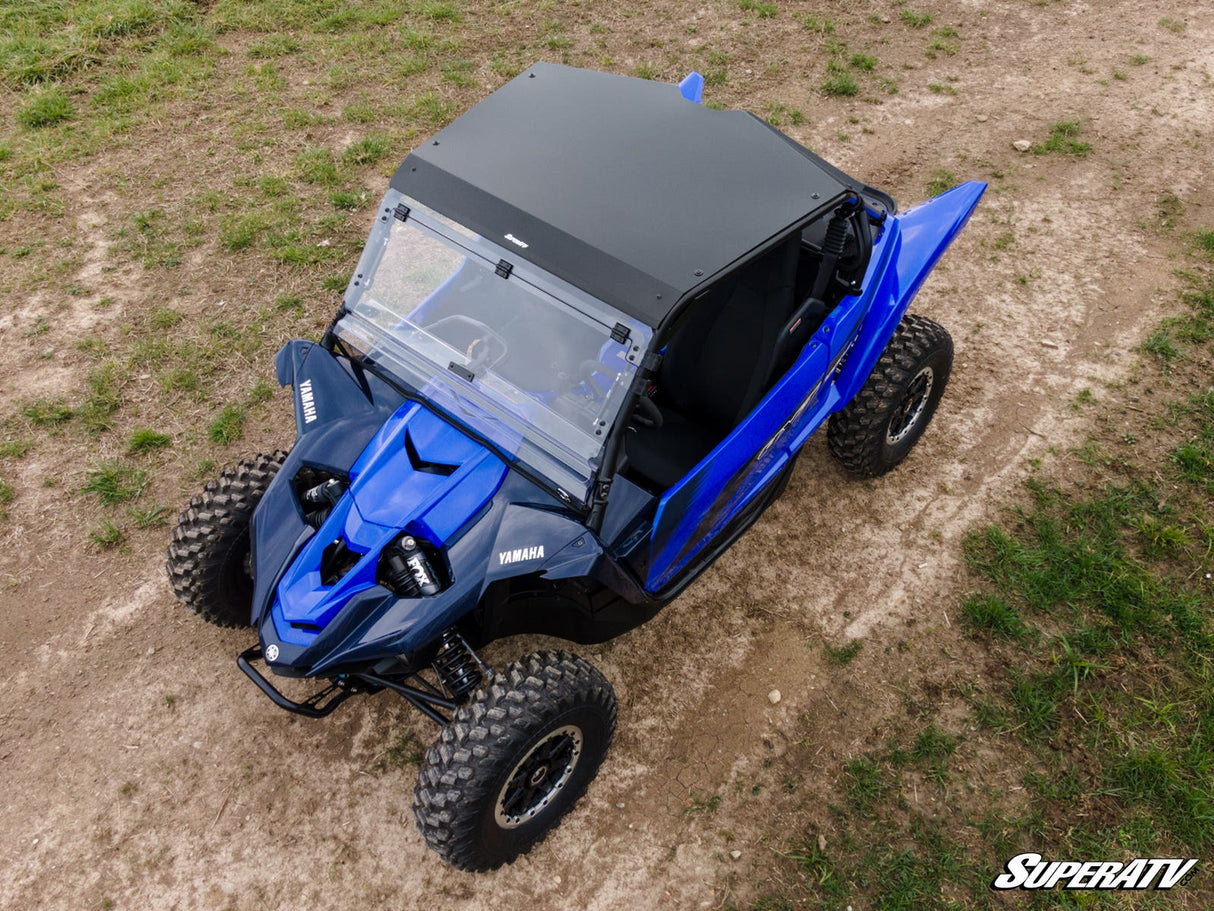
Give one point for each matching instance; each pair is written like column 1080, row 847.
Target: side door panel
column 697, row 509
column 694, row 511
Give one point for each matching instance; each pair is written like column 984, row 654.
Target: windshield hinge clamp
column 461, row 371
column 401, row 213
column 620, row 333
column 503, row 269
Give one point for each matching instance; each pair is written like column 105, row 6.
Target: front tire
column 514, row 760
column 208, row 557
column 881, row 425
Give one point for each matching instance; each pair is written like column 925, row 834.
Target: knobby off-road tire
column 881, row 425
column 209, row 552
column 514, row 760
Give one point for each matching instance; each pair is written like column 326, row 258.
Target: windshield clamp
column 620, row 333
column 503, row 269
column 402, row 212
column 461, row 371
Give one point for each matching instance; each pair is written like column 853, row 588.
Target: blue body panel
column 693, row 512
column 411, row 470
column 491, row 523
column 387, row 494
column 692, row 87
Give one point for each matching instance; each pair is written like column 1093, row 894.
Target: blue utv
column 593, row 325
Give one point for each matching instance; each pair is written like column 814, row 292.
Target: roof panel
column 616, row 184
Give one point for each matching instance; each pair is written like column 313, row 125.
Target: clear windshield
column 527, row 361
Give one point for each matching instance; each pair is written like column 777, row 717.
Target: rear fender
column 922, row 234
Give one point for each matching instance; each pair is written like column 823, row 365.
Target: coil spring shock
column 458, row 668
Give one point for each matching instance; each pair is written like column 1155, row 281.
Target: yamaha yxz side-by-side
column 593, row 326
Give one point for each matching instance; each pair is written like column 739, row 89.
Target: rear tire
column 514, row 760
column 881, row 425
column 208, row 557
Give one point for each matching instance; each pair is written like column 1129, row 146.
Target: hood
column 419, row 475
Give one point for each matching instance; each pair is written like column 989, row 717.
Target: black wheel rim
column 537, row 778
column 907, row 412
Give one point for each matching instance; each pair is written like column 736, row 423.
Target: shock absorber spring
column 459, row 669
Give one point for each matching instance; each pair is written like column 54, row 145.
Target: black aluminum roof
column 619, row 185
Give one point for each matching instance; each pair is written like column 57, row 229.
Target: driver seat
column 717, row 366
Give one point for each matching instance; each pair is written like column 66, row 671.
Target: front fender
column 920, row 236
column 324, row 391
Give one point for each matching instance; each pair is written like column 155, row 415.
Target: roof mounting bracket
column 620, row 333
column 402, row 212
column 503, row 269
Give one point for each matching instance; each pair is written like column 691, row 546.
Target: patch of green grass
column 1205, row 243
column 819, row 25
column 1063, row 140
column 278, row 45
column 228, row 425
column 779, row 114
column 316, row 166
column 337, row 282
column 166, row 318
column 6, row 495
column 261, row 392
column 459, row 72
column 46, row 108
column 1195, row 460
column 181, row 379
column 1173, row 25
column 15, row 449
column 699, row 804
column 237, row 232
column 440, row 10
column 103, row 396
column 1161, row 346
column 154, row 516
column 946, row 40
column 107, row 535
column 942, row 179
column 915, row 19
column 367, row 150
column 864, row 785
column 405, row 751
column 115, row 482
column 760, row 8
column 296, row 119
column 342, row 199
column 286, row 301
column 145, row 439
column 845, row 654
column 839, row 82
column 434, row 111
column 47, row 412
column 994, row 615
column 865, row 62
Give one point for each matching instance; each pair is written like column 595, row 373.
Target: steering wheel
column 588, row 372
column 646, row 414
column 480, row 344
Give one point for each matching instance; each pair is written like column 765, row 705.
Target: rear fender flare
column 923, row 233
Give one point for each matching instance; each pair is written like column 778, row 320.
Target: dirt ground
column 141, row 770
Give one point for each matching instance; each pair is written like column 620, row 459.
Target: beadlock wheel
column 893, row 408
column 514, row 760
